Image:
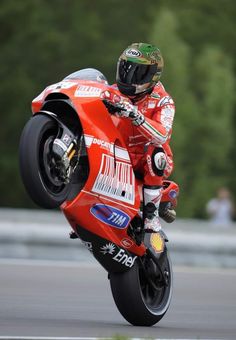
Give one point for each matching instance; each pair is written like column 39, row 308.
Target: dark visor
column 133, row 73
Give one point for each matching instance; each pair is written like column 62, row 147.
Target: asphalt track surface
column 74, row 300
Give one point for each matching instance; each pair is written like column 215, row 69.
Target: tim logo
column 110, row 215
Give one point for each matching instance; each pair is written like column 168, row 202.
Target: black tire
column 45, row 189
column 138, row 302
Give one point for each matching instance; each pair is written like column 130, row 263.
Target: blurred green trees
column 42, row 41
column 202, row 84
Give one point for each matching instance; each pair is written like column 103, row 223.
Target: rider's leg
column 166, row 210
column 155, row 166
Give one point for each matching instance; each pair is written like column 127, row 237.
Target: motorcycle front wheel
column 37, row 165
column 139, row 301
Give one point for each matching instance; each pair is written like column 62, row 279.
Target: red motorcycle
column 73, row 155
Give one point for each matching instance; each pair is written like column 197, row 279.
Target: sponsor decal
column 127, row 243
column 157, row 242
column 120, row 257
column 173, row 194
column 66, row 139
column 108, row 249
column 155, row 95
column 103, row 145
column 60, row 144
column 88, row 140
column 149, row 163
column 165, row 101
column 132, row 52
column 88, row 245
column 151, row 104
column 137, row 140
column 168, row 111
column 87, row 91
column 118, row 151
column 167, row 116
column 112, row 216
column 115, row 179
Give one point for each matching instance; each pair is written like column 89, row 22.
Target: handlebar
column 118, row 108
column 113, row 108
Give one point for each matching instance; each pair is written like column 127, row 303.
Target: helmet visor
column 131, row 73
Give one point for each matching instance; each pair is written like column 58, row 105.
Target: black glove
column 122, row 108
column 112, row 108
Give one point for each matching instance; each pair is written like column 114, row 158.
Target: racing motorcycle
column 73, row 156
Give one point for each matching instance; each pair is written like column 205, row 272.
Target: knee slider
column 159, row 161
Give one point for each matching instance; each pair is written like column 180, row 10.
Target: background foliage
column 43, row 41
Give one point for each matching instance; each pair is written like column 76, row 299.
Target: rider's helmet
column 139, row 68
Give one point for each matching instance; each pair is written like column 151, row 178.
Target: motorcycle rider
column 148, row 112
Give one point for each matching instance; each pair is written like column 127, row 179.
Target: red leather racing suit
column 155, row 133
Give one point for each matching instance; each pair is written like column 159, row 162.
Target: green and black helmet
column 139, row 68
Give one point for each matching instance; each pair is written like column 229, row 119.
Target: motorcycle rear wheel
column 36, row 163
column 138, row 302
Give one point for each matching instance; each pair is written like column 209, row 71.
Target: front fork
column 65, row 148
column 156, row 250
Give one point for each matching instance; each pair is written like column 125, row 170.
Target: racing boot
column 152, row 198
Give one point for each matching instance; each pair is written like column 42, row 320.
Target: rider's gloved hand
column 122, row 107
column 111, row 101
column 137, row 117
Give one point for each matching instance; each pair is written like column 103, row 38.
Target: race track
column 74, row 300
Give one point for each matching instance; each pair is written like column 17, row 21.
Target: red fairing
column 115, row 148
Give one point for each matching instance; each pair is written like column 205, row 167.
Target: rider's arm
column 158, row 129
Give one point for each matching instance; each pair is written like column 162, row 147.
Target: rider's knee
column 158, row 161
